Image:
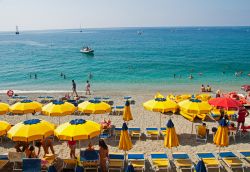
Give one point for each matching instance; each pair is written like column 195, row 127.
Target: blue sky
column 63, row 14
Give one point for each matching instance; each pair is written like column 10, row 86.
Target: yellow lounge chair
column 135, row 132
column 231, row 160
column 137, row 160
column 182, row 161
column 245, row 154
column 210, row 161
column 69, row 163
column 152, row 133
column 159, row 161
column 117, row 132
column 116, row 161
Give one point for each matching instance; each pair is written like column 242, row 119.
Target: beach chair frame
column 181, row 168
column 157, row 168
column 247, row 158
column 135, row 133
column 207, row 165
column 16, row 157
column 3, row 160
column 132, row 161
column 150, row 135
column 242, row 166
column 122, row 161
column 198, row 137
column 117, row 133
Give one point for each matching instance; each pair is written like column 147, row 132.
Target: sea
column 125, row 59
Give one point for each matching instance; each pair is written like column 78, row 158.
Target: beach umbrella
column 31, row 130
column 125, row 142
column 200, row 167
column 203, row 97
column 195, row 106
column 221, row 136
column 224, row 102
column 4, row 108
column 94, row 107
column 4, row 127
column 58, row 108
column 182, row 97
column 78, row 129
column 171, row 139
column 127, row 115
column 25, row 107
column 160, row 104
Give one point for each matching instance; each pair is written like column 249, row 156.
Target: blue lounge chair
column 152, row 133
column 32, row 164
column 89, row 159
column 182, row 161
column 116, row 161
column 160, row 161
column 135, row 132
column 245, row 154
column 117, row 132
column 209, row 159
column 231, row 160
column 137, row 160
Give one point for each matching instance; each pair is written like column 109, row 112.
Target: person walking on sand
column 87, row 88
column 242, row 114
column 104, row 154
column 74, row 88
column 46, row 144
column 72, row 147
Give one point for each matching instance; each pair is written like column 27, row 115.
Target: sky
column 65, row 14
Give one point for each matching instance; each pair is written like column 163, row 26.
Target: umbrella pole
column 192, row 129
column 160, row 120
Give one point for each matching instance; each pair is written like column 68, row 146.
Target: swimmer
column 61, row 74
column 191, row 76
column 35, row 76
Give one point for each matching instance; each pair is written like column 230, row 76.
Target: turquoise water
column 124, row 58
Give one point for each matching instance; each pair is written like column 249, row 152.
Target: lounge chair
column 117, row 132
column 152, row 133
column 16, row 158
column 3, row 160
column 31, row 164
column 135, row 132
column 198, row 136
column 182, row 161
column 89, row 159
column 160, row 161
column 69, row 164
column 118, row 110
column 137, row 160
column 245, row 154
column 231, row 160
column 163, row 131
column 116, row 161
column 210, row 161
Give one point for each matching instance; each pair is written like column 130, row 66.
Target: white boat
column 87, row 50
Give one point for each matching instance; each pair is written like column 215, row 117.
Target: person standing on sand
column 242, row 114
column 87, row 88
column 104, row 154
column 74, row 88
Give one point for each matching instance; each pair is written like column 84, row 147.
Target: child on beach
column 72, row 147
column 87, row 88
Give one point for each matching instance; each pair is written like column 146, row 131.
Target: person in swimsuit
column 30, row 152
column 242, row 114
column 74, row 88
column 104, row 154
column 87, row 88
column 46, row 144
column 72, row 147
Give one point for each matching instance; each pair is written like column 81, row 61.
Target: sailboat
column 17, row 32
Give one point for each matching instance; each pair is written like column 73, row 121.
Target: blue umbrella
column 200, row 167
column 130, row 168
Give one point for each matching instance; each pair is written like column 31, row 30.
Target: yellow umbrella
column 171, row 139
column 78, row 129
column 4, row 108
column 31, row 130
column 125, row 142
column 94, row 107
column 221, row 136
column 58, row 108
column 26, row 106
column 195, row 106
column 160, row 104
column 127, row 115
column 203, row 97
column 4, row 127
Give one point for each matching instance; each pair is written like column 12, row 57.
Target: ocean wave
column 38, row 91
column 29, row 43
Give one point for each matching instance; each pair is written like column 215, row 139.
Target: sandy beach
column 142, row 119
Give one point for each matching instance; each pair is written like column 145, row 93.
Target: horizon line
column 128, row 27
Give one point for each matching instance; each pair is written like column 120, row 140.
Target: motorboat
column 87, row 50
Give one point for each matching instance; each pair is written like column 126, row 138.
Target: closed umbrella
column 125, row 142
column 171, row 139
column 127, row 115
column 31, row 130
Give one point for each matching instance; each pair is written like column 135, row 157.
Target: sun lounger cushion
column 119, row 107
column 211, row 161
column 116, row 156
column 183, row 162
column 159, row 156
column 205, row 155
column 161, row 162
column 134, row 129
column 138, row 164
column 118, row 129
column 89, row 155
column 135, row 156
column 116, row 163
column 180, row 156
column 233, row 161
column 246, row 154
column 31, row 164
column 227, row 154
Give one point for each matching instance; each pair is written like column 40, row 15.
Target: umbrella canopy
column 200, row 167
column 195, row 106
column 224, row 102
column 160, row 104
column 125, row 142
column 171, row 139
column 26, row 106
column 30, row 130
column 58, row 108
column 127, row 115
column 4, row 108
column 78, row 129
column 182, row 97
column 4, row 127
column 203, row 97
column 221, row 136
column 94, row 107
